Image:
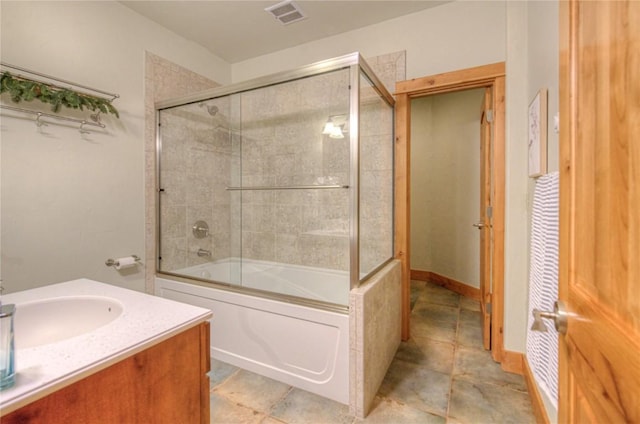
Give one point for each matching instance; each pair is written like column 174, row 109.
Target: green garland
column 20, row 88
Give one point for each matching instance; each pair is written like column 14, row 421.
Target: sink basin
column 52, row 320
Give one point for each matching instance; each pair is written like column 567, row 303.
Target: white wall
column 516, row 213
column 69, row 201
column 452, row 36
column 543, row 65
column 445, row 185
column 543, row 72
column 532, row 63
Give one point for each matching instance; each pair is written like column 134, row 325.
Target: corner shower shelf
column 301, row 187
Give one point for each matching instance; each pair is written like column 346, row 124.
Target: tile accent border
column 446, row 282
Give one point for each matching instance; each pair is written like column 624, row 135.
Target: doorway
column 492, row 79
column 445, row 190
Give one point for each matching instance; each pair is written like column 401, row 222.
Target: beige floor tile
column 469, row 304
column 228, row 412
column 431, row 312
column 441, row 296
column 418, row 290
column 252, row 390
column 300, row 407
column 437, row 322
column 220, row 371
column 473, row 402
column 470, row 329
column 388, row 411
column 478, row 366
column 428, row 353
column 271, row 420
column 416, row 386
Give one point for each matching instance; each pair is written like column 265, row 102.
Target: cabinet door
column 167, row 383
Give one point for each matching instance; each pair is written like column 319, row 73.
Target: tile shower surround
column 280, row 144
column 165, row 80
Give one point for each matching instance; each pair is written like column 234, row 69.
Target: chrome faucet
column 204, row 253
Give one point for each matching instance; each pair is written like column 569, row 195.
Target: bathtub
column 307, row 282
column 299, row 345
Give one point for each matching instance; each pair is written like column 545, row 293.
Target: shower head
column 213, row 109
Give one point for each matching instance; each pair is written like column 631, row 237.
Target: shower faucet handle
column 200, row 229
column 204, row 253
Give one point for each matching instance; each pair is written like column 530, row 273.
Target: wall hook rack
column 39, row 115
column 22, row 88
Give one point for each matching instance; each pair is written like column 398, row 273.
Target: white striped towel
column 542, row 348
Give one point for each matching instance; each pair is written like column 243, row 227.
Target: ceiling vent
column 286, row 12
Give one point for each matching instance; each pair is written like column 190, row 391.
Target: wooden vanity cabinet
column 166, row 383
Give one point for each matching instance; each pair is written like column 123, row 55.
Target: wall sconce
column 336, row 126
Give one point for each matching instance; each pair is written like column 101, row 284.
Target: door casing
column 490, row 76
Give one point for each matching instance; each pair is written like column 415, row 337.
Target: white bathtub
column 295, row 280
column 298, row 345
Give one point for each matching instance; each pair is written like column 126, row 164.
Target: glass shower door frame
column 357, row 66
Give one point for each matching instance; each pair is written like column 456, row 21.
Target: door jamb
column 493, row 76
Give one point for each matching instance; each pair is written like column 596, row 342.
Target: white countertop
column 145, row 321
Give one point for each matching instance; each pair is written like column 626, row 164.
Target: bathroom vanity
column 148, row 364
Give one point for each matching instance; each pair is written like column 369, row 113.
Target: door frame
column 493, row 76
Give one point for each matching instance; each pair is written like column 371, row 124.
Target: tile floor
column 441, row 375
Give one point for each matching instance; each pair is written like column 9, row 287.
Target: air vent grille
column 286, row 12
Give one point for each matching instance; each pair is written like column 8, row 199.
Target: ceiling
column 239, row 30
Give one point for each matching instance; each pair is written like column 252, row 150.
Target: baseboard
column 512, row 362
column 449, row 283
column 536, row 399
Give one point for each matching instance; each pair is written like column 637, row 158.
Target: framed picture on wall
column 538, row 134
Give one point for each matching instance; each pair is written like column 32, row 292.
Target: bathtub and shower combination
column 274, row 203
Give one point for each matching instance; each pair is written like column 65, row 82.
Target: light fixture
column 336, row 126
column 328, row 127
column 336, row 132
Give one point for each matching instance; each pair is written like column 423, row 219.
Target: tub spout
column 204, row 253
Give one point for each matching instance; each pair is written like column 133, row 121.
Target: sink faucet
column 204, row 253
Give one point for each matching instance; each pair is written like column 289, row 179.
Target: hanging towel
column 542, row 348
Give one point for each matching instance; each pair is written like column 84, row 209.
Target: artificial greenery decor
column 20, row 88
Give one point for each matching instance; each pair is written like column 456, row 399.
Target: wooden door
column 484, row 224
column 600, row 211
